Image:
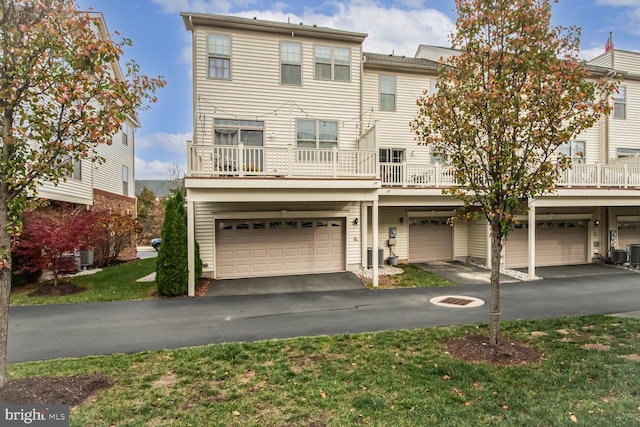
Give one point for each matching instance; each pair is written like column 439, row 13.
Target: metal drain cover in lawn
column 456, row 301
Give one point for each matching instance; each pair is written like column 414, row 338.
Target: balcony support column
column 363, row 233
column 374, row 225
column 191, row 250
column 532, row 242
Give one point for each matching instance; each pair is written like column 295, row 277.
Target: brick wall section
column 116, row 203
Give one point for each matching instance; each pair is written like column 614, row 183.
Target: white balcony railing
column 440, row 176
column 291, row 162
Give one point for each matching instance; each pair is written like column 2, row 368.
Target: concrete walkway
column 71, row 330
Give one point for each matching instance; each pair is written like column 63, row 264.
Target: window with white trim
column 620, row 103
column 219, row 56
column 290, row 63
column 387, row 93
column 233, row 131
column 74, row 170
column 125, row 180
column 332, row 63
column 313, row 133
column 574, row 150
column 125, row 133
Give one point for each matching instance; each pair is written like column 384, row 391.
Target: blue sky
column 162, row 46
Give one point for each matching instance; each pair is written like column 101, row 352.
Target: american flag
column 609, row 45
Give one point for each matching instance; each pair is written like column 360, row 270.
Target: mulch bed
column 476, row 348
column 73, row 390
column 63, row 288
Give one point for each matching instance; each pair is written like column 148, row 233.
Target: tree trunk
column 5, row 293
column 494, row 311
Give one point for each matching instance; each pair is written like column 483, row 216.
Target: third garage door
column 557, row 243
column 430, row 239
column 273, row 247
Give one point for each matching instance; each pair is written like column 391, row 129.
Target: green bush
column 172, row 267
column 172, row 273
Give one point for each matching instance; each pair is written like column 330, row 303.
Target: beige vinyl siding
column 207, row 212
column 254, row 91
column 478, row 238
column 390, row 217
column 392, row 127
column 622, row 61
column 623, row 133
column 108, row 175
column 71, row 191
column 460, row 240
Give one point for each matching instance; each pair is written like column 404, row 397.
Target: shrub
column 172, row 272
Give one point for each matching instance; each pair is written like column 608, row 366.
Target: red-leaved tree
column 50, row 238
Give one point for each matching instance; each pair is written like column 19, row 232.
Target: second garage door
column 557, row 243
column 273, row 247
column 430, row 239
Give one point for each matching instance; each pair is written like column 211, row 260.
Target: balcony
column 579, row 176
column 287, row 162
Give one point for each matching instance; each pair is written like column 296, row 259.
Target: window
column 391, row 155
column 433, row 86
column 231, row 132
column 387, row 93
column 332, row 63
column 620, row 103
column 219, row 56
column 317, row 133
column 290, row 63
column 75, row 171
column 125, row 133
column 574, row 150
column 626, row 152
column 125, row 180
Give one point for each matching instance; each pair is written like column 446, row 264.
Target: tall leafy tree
column 61, row 94
column 503, row 107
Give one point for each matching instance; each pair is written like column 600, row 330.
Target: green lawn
column 117, row 283
column 412, row 277
column 590, row 376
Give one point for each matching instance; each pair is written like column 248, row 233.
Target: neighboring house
column 303, row 160
column 109, row 185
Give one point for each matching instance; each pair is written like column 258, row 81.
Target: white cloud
column 391, row 29
column 167, row 142
column 156, row 169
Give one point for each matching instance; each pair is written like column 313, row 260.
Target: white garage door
column 628, row 233
column 430, row 239
column 557, row 243
column 273, row 247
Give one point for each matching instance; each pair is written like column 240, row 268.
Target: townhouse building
column 110, row 185
column 303, row 161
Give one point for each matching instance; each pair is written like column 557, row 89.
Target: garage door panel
column 557, row 243
column 430, row 239
column 273, row 247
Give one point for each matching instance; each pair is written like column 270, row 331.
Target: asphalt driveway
column 73, row 330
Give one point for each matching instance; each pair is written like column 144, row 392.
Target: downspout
column 191, row 235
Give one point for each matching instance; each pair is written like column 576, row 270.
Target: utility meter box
column 392, row 232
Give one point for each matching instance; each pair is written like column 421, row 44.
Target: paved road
column 54, row 331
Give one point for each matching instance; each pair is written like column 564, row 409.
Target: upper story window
column 316, row 133
column 74, row 170
column 574, row 150
column 620, row 103
column 219, row 56
column 387, row 93
column 125, row 180
column 230, row 131
column 291, row 63
column 125, row 133
column 332, row 63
